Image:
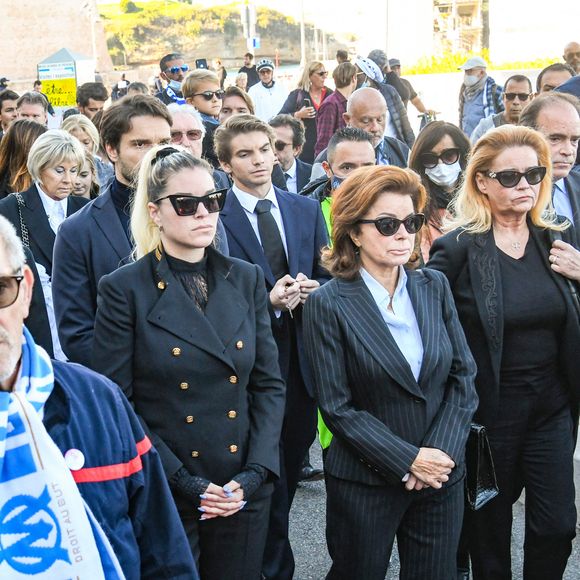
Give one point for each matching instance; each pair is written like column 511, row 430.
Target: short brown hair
column 350, row 203
column 193, row 80
column 238, row 125
column 95, row 91
column 342, row 74
column 529, row 116
column 234, row 91
column 116, row 120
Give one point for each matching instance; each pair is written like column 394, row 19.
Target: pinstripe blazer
column 380, row 415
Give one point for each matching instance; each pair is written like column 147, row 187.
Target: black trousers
column 298, row 433
column 231, row 547
column 532, row 444
column 363, row 520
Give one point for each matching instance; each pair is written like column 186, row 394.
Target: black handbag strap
column 23, row 227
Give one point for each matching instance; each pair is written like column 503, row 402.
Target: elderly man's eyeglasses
column 175, row 69
column 209, row 95
column 511, row 178
column 192, row 135
column 448, row 156
column 185, row 205
column 389, row 226
column 9, row 289
column 520, row 96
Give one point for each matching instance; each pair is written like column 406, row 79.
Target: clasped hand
column 288, row 292
column 565, row 259
column 431, row 468
column 221, row 501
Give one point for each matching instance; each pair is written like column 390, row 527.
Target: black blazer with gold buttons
column 207, row 385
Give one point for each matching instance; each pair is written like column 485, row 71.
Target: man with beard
column 173, row 70
column 517, row 94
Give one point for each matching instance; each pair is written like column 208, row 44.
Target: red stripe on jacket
column 116, row 471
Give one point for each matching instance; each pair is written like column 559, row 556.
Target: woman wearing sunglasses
column 394, row 383
column 202, row 89
column 186, row 333
column 304, row 102
column 439, row 156
column 522, row 327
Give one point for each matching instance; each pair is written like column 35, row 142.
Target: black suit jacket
column 305, row 236
column 379, row 414
column 40, row 234
column 471, row 265
column 303, row 171
column 172, row 362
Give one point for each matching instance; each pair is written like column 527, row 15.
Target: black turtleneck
column 121, row 195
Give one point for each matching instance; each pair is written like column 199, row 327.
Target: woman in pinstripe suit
column 395, row 384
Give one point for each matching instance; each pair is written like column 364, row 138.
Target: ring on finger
column 555, row 259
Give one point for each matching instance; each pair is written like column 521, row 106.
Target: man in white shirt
column 268, row 95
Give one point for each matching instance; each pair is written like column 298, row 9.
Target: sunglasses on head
column 511, row 178
column 448, row 156
column 520, row 96
column 209, row 95
column 9, row 289
column 175, row 69
column 389, row 226
column 185, row 205
column 192, row 135
column 280, row 145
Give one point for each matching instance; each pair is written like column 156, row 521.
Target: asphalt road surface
column 307, row 523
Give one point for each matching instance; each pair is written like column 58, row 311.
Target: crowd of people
column 236, row 269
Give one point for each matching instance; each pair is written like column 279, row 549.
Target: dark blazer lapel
column 292, row 229
column 105, row 215
column 572, row 183
column 486, row 285
column 188, row 324
column 39, row 230
column 227, row 308
column 362, row 314
column 418, row 286
column 74, row 203
column 238, row 226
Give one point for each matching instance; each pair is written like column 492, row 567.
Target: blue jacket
column 121, row 480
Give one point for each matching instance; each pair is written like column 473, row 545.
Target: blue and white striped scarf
column 46, row 528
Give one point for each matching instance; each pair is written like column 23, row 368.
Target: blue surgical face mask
column 175, row 85
column 336, row 181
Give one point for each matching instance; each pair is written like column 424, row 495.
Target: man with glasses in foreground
column 173, row 71
column 517, row 94
column 74, row 457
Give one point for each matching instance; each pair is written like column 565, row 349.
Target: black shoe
column 309, row 473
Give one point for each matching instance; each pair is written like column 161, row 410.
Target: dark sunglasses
column 208, row 95
column 389, row 226
column 511, row 178
column 520, row 96
column 175, row 69
column 185, row 205
column 448, row 156
column 280, row 145
column 192, row 135
column 321, row 73
column 9, row 288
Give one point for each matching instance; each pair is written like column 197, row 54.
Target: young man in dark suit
column 290, row 139
column 283, row 233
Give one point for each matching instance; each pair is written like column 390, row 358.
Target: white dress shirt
column 401, row 320
column 291, row 181
column 561, row 200
column 55, row 209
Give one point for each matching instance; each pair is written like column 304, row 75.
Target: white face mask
column 175, row 85
column 470, row 80
column 444, row 175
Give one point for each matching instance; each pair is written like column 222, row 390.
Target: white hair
column 12, row 245
column 52, row 148
column 174, row 109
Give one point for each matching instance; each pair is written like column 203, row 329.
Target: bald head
column 572, row 55
column 366, row 109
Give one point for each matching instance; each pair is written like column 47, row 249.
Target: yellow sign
column 61, row 92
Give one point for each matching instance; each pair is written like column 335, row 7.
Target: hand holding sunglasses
column 186, row 205
column 389, row 226
column 511, row 178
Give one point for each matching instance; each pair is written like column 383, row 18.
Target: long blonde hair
column 304, row 82
column 154, row 173
column 470, row 208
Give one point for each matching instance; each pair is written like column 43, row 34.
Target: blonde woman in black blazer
column 185, row 332
column 394, row 383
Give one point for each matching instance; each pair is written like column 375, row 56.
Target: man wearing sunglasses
column 283, row 233
column 268, row 95
column 72, row 436
column 517, row 94
column 173, row 71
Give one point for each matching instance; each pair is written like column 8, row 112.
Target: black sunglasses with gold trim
column 185, row 205
column 9, row 289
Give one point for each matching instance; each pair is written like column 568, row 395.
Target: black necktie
column 271, row 239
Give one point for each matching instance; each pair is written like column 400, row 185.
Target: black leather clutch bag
column 481, row 481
